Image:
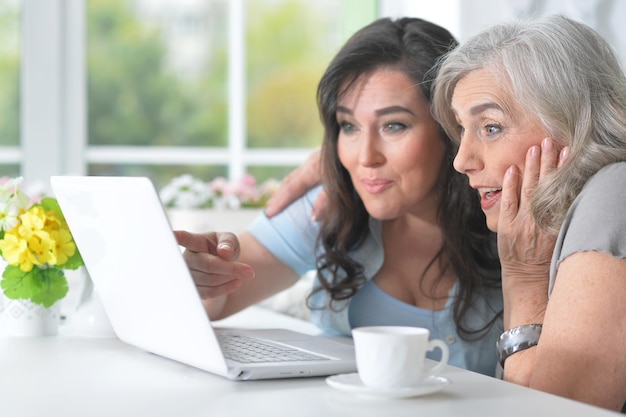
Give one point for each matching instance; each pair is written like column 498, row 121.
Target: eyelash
column 391, row 127
column 487, row 129
column 345, row 126
column 394, row 127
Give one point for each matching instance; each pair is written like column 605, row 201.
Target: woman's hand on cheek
column 525, row 249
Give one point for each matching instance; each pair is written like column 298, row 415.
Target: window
column 9, row 85
column 161, row 87
column 208, row 87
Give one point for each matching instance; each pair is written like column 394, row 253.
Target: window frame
column 52, row 75
column 53, row 102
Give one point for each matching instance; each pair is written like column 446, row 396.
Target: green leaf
column 54, row 287
column 51, row 204
column 18, row 284
column 41, row 286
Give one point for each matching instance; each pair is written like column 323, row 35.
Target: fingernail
column 534, row 151
column 248, row 273
column 547, row 144
column 225, row 246
column 510, row 172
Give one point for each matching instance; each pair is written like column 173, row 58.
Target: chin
column 492, row 224
column 381, row 212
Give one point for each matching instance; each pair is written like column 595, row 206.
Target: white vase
column 24, row 318
column 89, row 317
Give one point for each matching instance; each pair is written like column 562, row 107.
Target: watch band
column 516, row 339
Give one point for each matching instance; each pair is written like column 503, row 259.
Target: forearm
column 525, row 305
column 525, row 301
column 581, row 351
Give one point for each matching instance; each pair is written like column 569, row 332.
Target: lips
column 489, row 197
column 375, row 186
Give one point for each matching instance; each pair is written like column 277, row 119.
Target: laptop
column 125, row 238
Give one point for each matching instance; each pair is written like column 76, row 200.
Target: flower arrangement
column 186, row 191
column 36, row 243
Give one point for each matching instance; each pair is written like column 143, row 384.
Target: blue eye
column 347, row 128
column 493, row 129
column 394, row 127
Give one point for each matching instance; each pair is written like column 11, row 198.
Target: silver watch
column 516, row 339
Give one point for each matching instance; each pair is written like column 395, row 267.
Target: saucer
column 352, row 383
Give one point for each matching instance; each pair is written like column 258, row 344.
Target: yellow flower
column 37, row 245
column 32, row 221
column 14, row 249
column 41, row 249
column 53, row 223
column 64, row 245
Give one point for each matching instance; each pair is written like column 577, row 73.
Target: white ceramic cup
column 394, row 356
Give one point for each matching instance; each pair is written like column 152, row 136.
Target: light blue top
column 291, row 237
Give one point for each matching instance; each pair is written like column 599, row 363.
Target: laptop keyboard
column 248, row 350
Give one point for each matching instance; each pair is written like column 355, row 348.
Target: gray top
column 595, row 221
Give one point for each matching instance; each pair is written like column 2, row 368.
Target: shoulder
column 603, row 194
column 607, row 181
column 312, row 194
column 294, row 223
column 596, row 220
column 290, row 235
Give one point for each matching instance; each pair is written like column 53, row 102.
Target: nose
column 370, row 153
column 467, row 159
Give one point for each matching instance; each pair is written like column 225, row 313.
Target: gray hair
column 565, row 75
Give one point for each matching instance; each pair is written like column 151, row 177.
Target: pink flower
column 244, row 192
column 220, row 186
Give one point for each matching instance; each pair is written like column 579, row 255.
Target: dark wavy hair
column 414, row 47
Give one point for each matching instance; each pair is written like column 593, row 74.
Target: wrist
column 534, row 280
column 517, row 339
column 525, row 300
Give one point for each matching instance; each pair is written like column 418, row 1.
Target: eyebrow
column 482, row 107
column 379, row 112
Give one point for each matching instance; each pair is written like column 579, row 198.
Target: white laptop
column 131, row 254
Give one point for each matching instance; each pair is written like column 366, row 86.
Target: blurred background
column 203, row 87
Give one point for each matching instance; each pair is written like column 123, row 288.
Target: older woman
column 539, row 109
column 404, row 241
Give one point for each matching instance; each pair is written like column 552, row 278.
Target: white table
column 70, row 375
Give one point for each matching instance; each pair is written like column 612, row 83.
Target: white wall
column 466, row 17
column 446, row 13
